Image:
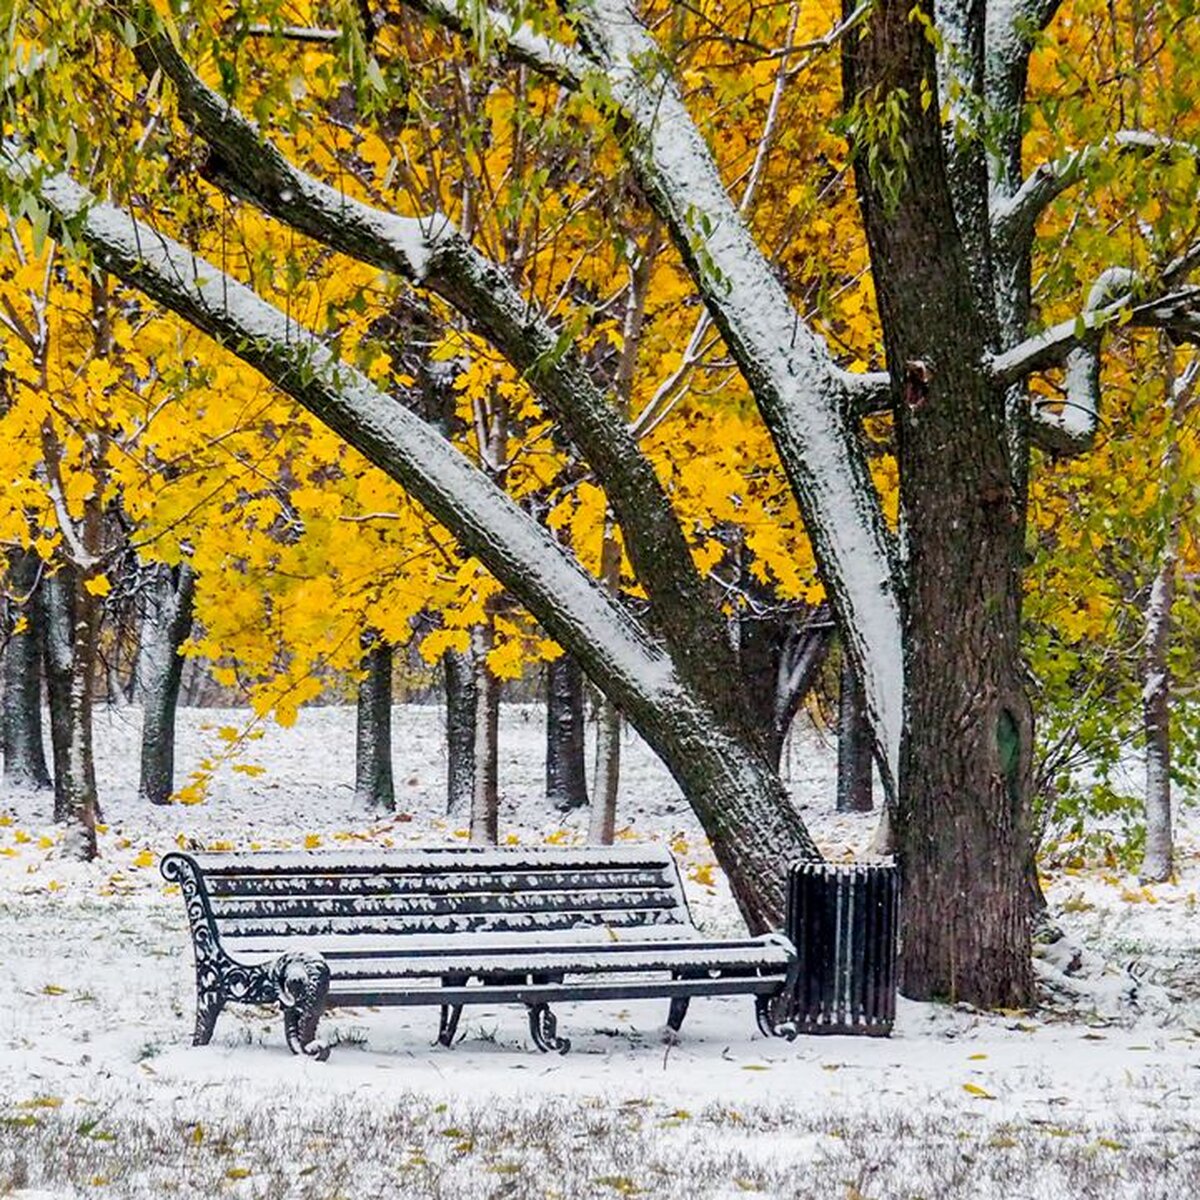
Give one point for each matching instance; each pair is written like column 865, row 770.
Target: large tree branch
column 432, row 253
column 799, row 391
column 487, row 523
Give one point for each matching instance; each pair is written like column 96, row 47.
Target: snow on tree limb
column 487, row 522
column 799, row 390
column 431, row 252
column 1016, row 216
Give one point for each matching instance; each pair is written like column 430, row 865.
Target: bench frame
column 299, row 980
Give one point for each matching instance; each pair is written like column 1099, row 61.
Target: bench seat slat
column 353, row 995
column 583, row 961
column 550, row 922
column 499, row 902
column 434, row 859
column 349, row 883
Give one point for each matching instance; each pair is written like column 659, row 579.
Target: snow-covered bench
column 456, row 926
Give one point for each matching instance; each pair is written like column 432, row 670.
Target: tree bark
column 373, row 784
column 856, row 746
column 166, row 623
column 566, row 782
column 1158, row 861
column 602, row 825
column 459, row 681
column 72, row 623
column 962, row 815
column 485, row 799
column 24, row 754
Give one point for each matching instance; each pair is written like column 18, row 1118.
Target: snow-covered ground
column 101, row 1094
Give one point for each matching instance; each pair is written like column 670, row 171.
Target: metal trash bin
column 843, row 920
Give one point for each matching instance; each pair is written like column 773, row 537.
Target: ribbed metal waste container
column 843, row 920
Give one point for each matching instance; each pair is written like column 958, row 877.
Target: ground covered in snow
column 1095, row 1094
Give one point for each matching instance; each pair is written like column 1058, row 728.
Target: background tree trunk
column 485, row 798
column 459, row 682
column 24, row 754
column 606, row 781
column 856, row 744
column 165, row 626
column 1158, row 862
column 566, row 781
column 373, row 784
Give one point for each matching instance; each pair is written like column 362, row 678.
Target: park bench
column 453, row 926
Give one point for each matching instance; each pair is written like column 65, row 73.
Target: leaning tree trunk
column 856, row 744
column 458, row 678
column 159, row 673
column 1158, row 862
column 373, row 784
column 566, row 781
column 962, row 813
column 24, row 754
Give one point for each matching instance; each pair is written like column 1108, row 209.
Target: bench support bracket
column 543, row 1028
column 302, row 982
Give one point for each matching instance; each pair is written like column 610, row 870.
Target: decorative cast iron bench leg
column 543, row 1029
column 765, row 1009
column 208, row 1008
column 303, row 983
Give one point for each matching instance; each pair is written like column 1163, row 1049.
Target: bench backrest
column 432, row 892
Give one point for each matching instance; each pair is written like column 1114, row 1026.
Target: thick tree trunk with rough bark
column 566, row 781
column 373, row 784
column 856, row 745
column 1158, row 862
column 166, row 624
column 962, row 814
column 458, row 681
column 24, row 754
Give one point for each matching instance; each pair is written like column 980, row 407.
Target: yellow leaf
column 42, row 1102
column 312, row 841
column 144, row 859
column 98, row 585
column 251, row 769
column 975, row 1090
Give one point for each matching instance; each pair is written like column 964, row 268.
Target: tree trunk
column 24, row 754
column 72, row 628
column 962, row 815
column 605, row 783
column 856, row 744
column 485, row 798
column 566, row 782
column 1158, row 862
column 461, row 697
column 166, row 623
column 373, row 785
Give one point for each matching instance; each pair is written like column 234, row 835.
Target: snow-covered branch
column 800, row 392
column 523, row 555
column 431, row 252
column 1016, row 216
column 798, row 389
column 1176, row 312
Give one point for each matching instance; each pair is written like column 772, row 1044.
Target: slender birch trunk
column 373, row 783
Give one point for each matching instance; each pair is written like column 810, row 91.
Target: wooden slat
column 352, row 995
column 368, row 908
column 550, row 922
column 582, row 961
column 450, row 883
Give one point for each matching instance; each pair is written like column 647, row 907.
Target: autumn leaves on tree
column 468, row 248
